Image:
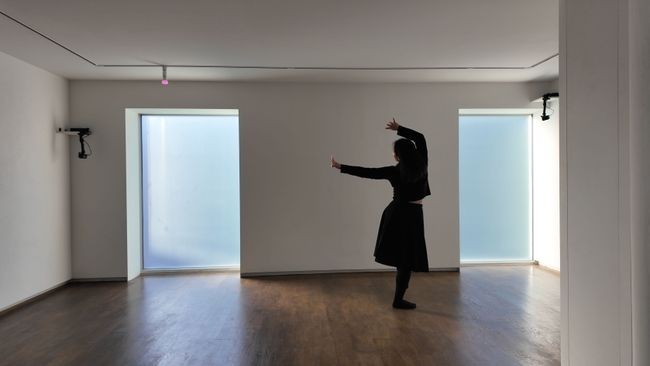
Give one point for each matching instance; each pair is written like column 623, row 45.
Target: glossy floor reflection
column 481, row 316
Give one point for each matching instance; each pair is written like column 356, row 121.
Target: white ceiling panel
column 287, row 33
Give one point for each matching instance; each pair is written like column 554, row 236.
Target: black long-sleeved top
column 402, row 190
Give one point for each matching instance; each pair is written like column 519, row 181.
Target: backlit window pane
column 495, row 188
column 190, row 193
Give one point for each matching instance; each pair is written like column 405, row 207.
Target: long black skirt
column 400, row 241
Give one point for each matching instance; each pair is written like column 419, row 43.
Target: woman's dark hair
column 411, row 165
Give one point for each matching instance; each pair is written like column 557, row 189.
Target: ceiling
column 319, row 34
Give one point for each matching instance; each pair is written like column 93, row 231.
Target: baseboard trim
column 335, row 271
column 498, row 263
column 550, row 269
column 98, row 279
column 17, row 305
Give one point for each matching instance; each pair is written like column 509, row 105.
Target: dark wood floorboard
column 498, row 315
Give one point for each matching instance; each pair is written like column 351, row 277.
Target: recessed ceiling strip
column 412, row 68
column 46, row 37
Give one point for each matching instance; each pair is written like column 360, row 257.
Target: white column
column 595, row 134
column 639, row 92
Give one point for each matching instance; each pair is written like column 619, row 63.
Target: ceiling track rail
column 261, row 67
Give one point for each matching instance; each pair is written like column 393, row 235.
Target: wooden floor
column 481, row 316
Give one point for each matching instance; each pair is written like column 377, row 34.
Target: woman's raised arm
column 415, row 136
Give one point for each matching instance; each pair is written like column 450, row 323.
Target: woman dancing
column 400, row 241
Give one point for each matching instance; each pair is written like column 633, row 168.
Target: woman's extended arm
column 418, row 138
column 371, row 173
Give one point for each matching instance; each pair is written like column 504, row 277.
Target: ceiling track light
column 164, row 80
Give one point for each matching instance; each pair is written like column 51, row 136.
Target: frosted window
column 190, row 193
column 495, row 188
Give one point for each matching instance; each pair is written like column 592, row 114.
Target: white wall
column 298, row 214
column 34, row 181
column 639, row 46
column 546, row 187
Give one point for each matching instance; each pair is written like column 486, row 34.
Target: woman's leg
column 401, row 284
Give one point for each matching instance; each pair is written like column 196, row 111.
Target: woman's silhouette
column 400, row 241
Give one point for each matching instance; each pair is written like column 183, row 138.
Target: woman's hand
column 392, row 125
column 335, row 164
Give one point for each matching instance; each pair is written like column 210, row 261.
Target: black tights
column 401, row 283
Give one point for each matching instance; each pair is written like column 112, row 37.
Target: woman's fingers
column 392, row 125
column 334, row 163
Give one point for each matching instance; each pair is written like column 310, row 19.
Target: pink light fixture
column 164, row 76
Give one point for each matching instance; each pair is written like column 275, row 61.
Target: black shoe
column 403, row 304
